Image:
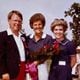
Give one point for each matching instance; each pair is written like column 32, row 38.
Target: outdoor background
column 51, row 9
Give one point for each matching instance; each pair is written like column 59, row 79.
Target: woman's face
column 38, row 27
column 58, row 32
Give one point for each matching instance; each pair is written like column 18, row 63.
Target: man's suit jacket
column 9, row 55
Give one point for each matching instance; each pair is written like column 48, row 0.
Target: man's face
column 15, row 23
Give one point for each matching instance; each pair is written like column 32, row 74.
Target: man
column 12, row 51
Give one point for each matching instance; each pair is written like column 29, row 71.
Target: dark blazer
column 9, row 55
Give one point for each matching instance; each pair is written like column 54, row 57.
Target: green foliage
column 74, row 13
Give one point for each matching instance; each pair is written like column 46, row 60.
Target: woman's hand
column 36, row 62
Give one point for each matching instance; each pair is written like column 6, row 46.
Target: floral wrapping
column 44, row 53
column 32, row 69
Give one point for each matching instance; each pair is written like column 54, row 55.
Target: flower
column 47, row 51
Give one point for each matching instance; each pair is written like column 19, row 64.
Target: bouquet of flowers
column 47, row 51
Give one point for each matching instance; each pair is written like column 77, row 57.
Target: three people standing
column 13, row 55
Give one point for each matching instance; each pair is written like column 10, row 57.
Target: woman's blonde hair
column 58, row 22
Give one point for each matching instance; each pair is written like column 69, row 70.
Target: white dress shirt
column 19, row 44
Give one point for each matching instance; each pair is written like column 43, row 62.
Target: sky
column 51, row 9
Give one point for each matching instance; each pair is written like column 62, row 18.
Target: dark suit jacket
column 9, row 55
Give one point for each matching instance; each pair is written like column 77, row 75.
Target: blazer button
column 19, row 65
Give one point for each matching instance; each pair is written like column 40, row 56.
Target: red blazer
column 9, row 55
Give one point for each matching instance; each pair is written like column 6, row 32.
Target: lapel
column 11, row 41
column 12, row 46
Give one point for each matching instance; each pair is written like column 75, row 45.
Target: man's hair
column 15, row 12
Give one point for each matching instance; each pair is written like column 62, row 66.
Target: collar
column 43, row 36
column 9, row 32
column 64, row 42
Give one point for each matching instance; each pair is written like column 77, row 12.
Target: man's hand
column 5, row 76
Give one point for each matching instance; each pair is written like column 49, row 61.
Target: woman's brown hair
column 37, row 17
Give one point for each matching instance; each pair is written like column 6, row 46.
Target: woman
column 36, row 42
column 62, row 62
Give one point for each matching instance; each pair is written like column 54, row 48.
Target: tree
column 74, row 13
